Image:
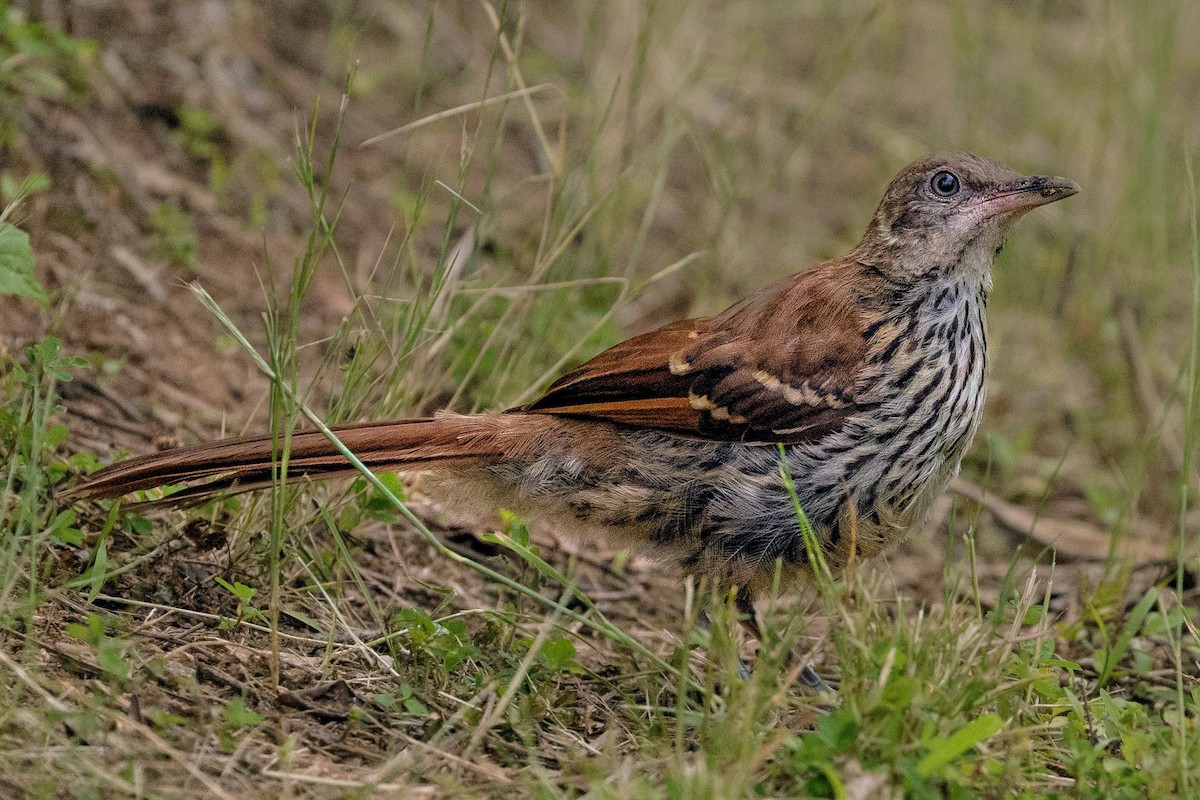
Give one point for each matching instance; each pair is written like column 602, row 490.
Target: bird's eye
column 944, row 184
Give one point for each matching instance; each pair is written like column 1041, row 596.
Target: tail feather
column 248, row 463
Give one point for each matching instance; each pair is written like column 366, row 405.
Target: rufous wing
column 777, row 368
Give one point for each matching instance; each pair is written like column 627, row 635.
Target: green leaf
column 99, row 570
column 16, row 265
column 62, row 528
column 238, row 589
column 56, row 434
column 110, row 656
column 558, row 653
column 1113, row 655
column 33, row 183
column 838, row 729
column 237, row 716
column 944, row 750
column 514, row 527
column 139, row 525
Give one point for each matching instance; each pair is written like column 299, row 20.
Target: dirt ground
column 166, row 375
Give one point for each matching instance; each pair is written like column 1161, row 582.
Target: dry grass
column 649, row 161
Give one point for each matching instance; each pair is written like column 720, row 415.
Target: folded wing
column 777, row 368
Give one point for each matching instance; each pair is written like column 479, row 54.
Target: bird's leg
column 749, row 618
column 704, row 620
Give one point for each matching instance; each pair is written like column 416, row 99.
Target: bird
column 857, row 383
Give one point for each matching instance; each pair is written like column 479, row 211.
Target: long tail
column 247, row 463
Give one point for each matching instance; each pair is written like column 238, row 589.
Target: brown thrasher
column 867, row 369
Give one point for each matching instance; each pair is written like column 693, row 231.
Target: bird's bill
column 1025, row 194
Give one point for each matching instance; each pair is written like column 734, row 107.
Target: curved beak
column 1024, row 194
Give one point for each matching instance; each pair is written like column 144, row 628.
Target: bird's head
column 951, row 212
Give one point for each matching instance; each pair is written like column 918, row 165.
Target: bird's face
column 951, row 212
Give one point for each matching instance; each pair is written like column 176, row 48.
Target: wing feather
column 780, row 367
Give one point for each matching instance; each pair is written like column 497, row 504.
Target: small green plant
column 29, row 437
column 16, row 263
column 558, row 655
column 404, row 698
column 198, row 133
column 443, row 643
column 245, row 605
column 176, row 238
column 13, row 190
column 112, row 653
column 236, row 717
column 370, row 504
column 41, row 60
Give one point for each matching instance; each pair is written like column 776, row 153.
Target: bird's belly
column 724, row 509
